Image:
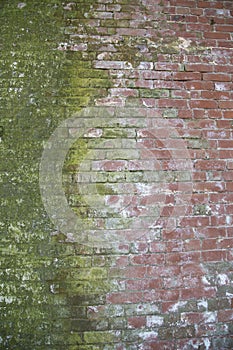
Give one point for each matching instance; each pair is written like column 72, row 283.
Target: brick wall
column 149, row 176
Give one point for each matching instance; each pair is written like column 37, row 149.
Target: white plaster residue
column 52, row 288
column 7, row 300
column 220, row 86
column 152, row 321
column 194, row 344
column 210, row 317
column 148, row 335
column 202, row 304
column 205, row 281
column 228, row 219
column 222, row 279
column 206, row 343
column 184, row 43
column 176, row 306
column 94, row 132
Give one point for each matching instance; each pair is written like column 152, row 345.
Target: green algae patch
column 41, row 86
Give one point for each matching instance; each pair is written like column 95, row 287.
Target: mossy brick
column 184, row 332
column 171, row 320
column 142, row 309
column 86, row 347
column 78, row 312
column 134, row 176
column 93, row 273
column 104, row 189
column 166, row 333
column 198, row 144
column 153, row 93
column 201, row 209
column 118, row 323
column 222, row 342
column 170, row 113
column 116, row 176
column 127, row 154
column 80, row 325
column 119, row 133
column 85, row 299
column 99, row 337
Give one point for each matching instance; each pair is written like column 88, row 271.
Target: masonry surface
column 149, row 178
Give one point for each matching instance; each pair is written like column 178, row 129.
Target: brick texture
column 152, row 178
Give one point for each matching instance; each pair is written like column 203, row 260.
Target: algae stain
column 41, row 86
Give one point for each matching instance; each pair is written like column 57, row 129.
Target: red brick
column 224, row 154
column 199, row 85
column 137, row 322
column 203, row 104
column 157, row 247
column 156, row 271
column 198, row 293
column 225, row 43
column 190, row 257
column 192, row 244
column 214, row 255
column 159, row 345
column 173, row 85
column 224, row 28
column 173, row 258
column 197, row 27
column 209, row 244
column 229, row 186
column 228, row 114
column 226, row 104
column 197, row 221
column 216, row 77
column 148, row 259
column 123, row 298
column 191, row 269
column 183, row 3
column 223, row 68
column 224, row 124
column 225, row 315
column 230, row 165
column 210, row 165
column 131, row 32
column 216, row 95
column 225, row 144
column 176, row 103
column 199, row 67
column 144, row 284
column 208, row 4
column 226, row 243
column 210, row 186
column 134, row 271
column 186, row 76
column 217, row 35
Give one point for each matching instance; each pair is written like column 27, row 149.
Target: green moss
column 41, row 86
column 115, row 133
column 103, row 189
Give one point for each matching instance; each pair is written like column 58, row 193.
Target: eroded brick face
column 150, row 176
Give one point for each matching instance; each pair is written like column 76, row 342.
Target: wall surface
column 116, row 171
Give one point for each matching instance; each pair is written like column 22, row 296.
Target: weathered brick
column 151, row 177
